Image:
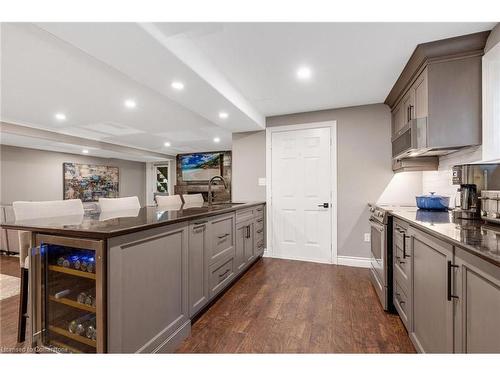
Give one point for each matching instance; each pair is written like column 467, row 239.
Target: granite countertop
column 98, row 225
column 475, row 236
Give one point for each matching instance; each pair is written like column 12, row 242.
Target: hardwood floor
column 278, row 306
column 282, row 306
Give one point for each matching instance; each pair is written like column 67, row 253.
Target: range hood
column 414, row 141
column 423, row 163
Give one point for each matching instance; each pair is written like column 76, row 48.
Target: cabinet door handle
column 450, row 266
column 248, row 231
column 404, row 247
column 224, row 273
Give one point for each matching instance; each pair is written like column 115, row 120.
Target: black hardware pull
column 450, row 266
column 404, row 246
column 324, row 205
column 223, row 236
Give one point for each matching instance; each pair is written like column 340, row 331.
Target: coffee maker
column 473, row 179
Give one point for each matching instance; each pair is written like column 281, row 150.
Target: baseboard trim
column 353, row 261
column 277, row 256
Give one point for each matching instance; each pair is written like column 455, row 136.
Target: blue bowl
column 433, row 202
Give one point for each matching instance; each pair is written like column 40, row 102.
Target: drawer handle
column 450, row 266
column 260, row 230
column 223, row 236
column 258, row 221
column 259, row 209
column 198, row 226
column 224, row 273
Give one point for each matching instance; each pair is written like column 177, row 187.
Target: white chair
column 28, row 211
column 168, row 200
column 193, row 198
column 119, row 204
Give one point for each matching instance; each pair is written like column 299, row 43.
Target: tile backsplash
column 440, row 181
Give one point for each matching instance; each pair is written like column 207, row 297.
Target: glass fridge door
column 67, row 298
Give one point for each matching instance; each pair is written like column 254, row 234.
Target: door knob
column 324, row 205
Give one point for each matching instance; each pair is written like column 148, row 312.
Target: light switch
column 367, row 237
column 262, row 181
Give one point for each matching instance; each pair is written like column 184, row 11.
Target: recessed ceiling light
column 167, row 144
column 60, row 116
column 216, row 139
column 177, row 85
column 85, row 151
column 223, row 115
column 129, row 103
column 304, row 73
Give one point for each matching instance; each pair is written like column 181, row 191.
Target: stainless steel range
column 381, row 254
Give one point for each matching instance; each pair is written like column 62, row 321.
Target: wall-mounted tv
column 201, row 166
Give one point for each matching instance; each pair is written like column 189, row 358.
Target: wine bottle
column 60, row 261
column 75, row 326
column 91, row 332
column 82, row 296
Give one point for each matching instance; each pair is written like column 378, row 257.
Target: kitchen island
column 132, row 281
column 447, row 281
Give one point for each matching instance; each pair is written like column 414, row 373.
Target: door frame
column 151, row 175
column 333, row 193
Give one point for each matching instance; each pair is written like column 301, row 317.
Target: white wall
column 440, row 181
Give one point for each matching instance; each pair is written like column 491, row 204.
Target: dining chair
column 168, row 200
column 192, row 198
column 118, row 204
column 23, row 211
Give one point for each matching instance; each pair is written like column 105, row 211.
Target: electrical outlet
column 367, row 237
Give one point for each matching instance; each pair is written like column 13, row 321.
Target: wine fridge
column 67, row 294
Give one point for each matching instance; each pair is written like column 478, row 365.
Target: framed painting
column 200, row 166
column 90, row 182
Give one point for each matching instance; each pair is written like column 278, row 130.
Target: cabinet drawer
column 245, row 214
column 402, row 265
column 220, row 276
column 259, row 223
column 259, row 212
column 259, row 234
column 222, row 234
column 401, row 302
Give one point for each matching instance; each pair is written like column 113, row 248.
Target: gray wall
column 249, row 163
column 28, row 174
column 363, row 166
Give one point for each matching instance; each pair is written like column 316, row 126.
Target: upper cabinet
column 491, row 104
column 436, row 101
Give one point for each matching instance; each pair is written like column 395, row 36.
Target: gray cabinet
column 432, row 302
column 402, row 265
column 198, row 266
column 148, row 309
column 221, row 229
column 241, row 233
column 221, row 274
column 478, row 306
column 250, row 242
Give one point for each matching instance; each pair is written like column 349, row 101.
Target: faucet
column 210, row 187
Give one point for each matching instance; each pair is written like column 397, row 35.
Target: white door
column 301, row 185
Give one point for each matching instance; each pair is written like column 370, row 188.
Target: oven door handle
column 377, row 226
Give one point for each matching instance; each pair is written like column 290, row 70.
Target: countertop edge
column 446, row 239
column 101, row 235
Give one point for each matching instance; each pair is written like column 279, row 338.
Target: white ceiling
column 352, row 63
column 87, row 70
